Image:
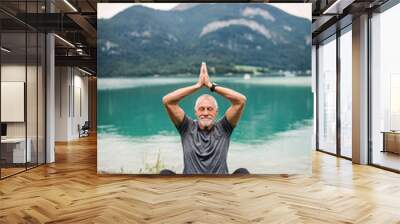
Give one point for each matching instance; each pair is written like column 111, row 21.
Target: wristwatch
column 212, row 88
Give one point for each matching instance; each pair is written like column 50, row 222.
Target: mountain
column 184, row 6
column 141, row 41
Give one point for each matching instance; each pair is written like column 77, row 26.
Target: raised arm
column 171, row 100
column 237, row 100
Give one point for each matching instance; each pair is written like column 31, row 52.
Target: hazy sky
column 107, row 10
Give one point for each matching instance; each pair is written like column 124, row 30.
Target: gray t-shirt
column 205, row 152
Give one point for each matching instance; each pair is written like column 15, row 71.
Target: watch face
column 212, row 87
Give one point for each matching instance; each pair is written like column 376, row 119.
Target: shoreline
column 105, row 84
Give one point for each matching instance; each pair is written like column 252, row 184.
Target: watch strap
column 212, row 88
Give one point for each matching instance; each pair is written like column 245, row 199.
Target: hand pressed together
column 204, row 79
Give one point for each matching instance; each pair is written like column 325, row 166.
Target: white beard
column 206, row 123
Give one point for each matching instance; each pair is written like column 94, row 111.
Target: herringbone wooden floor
column 70, row 191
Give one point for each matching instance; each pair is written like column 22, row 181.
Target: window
column 327, row 95
column 385, row 89
column 346, row 92
column 22, row 86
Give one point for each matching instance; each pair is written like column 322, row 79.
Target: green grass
column 153, row 168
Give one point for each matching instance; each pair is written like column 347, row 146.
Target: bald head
column 206, row 97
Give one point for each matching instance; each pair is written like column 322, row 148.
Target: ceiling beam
column 337, row 7
column 82, row 61
column 49, row 22
column 84, row 24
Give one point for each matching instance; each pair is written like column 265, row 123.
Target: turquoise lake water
column 135, row 130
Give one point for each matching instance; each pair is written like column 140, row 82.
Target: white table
column 18, row 144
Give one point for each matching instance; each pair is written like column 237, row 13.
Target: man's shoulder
column 224, row 124
column 186, row 124
column 189, row 119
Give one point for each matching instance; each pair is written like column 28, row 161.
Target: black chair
column 84, row 130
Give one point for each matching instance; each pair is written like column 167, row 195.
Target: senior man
column 205, row 141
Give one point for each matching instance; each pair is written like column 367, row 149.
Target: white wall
column 17, row 73
column 70, row 83
column 80, row 89
column 12, row 100
column 61, row 103
column 12, row 73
